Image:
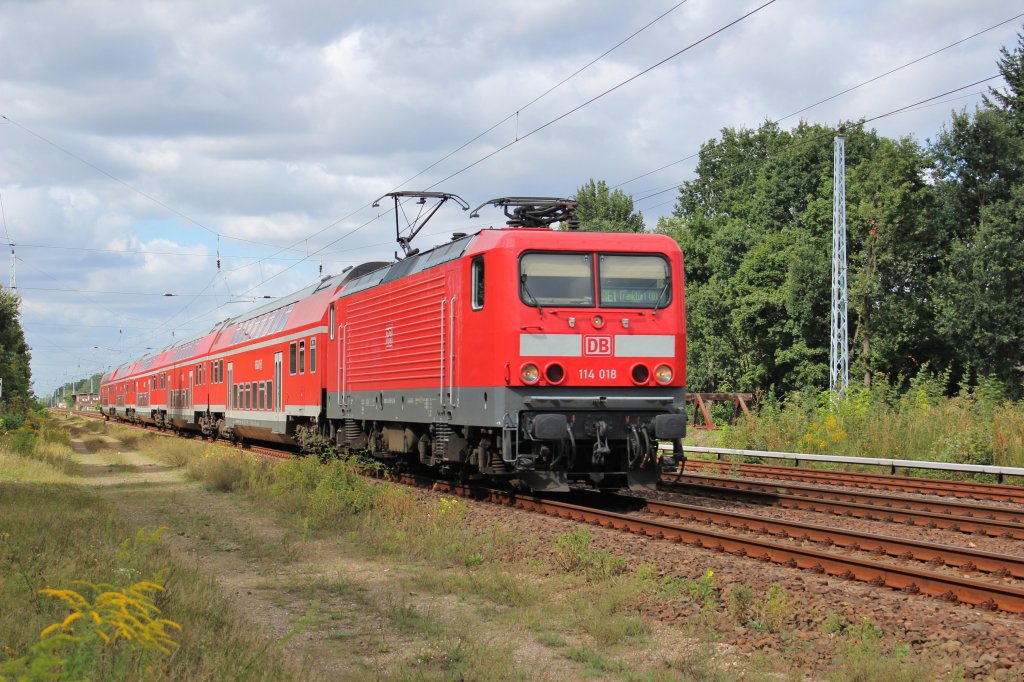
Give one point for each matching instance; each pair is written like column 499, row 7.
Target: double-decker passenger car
column 551, row 357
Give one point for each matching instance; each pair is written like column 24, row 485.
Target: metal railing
column 999, row 471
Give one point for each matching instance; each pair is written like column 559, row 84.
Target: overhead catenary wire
column 839, row 94
column 610, row 90
column 515, row 114
column 545, row 125
column 829, row 134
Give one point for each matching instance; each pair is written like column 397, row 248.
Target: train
column 530, row 353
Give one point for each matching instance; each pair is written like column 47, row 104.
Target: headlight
column 530, row 373
column 663, row 374
column 598, row 321
column 554, row 373
column 641, row 374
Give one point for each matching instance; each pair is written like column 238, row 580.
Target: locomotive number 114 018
column 598, row 373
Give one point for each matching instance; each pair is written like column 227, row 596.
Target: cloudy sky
column 141, row 139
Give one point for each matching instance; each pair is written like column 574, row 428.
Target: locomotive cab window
column 477, row 279
column 556, row 279
column 634, row 281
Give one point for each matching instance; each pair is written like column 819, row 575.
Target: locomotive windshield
column 634, row 281
column 567, row 279
column 557, row 279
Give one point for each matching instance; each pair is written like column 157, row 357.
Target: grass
column 54, row 534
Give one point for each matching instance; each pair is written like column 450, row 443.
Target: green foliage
column 755, row 228
column 775, row 611
column 14, row 357
column 572, row 553
column 340, row 492
column 867, row 655
column 741, row 603
column 220, row 469
column 604, row 210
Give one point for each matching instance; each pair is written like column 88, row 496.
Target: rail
column 999, row 471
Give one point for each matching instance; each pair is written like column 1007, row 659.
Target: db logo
column 597, row 345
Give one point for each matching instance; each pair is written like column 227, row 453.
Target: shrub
column 21, row 441
column 866, row 657
column 340, row 492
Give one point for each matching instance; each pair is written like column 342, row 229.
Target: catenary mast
column 839, row 356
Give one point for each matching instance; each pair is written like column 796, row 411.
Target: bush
column 22, row 441
column 341, row 492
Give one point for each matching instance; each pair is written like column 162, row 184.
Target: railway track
column 902, row 548
column 924, row 486
column 960, row 517
column 910, row 579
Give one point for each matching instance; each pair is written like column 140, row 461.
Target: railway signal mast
column 839, row 355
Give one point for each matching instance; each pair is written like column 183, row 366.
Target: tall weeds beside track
column 976, row 426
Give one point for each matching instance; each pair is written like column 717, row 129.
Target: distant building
column 85, row 401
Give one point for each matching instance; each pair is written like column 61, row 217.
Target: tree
column 604, row 210
column 14, row 352
column 979, row 179
column 755, row 227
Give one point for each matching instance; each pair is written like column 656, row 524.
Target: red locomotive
column 551, row 357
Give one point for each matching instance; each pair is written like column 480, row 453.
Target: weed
column 60, row 532
column 595, row 662
column 835, row 623
column 220, row 469
column 775, row 611
column 548, row 638
column 703, row 588
column 917, row 420
column 741, row 603
column 867, row 656
column 572, row 553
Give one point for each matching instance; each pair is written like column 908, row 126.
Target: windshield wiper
column 664, row 290
column 526, row 290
